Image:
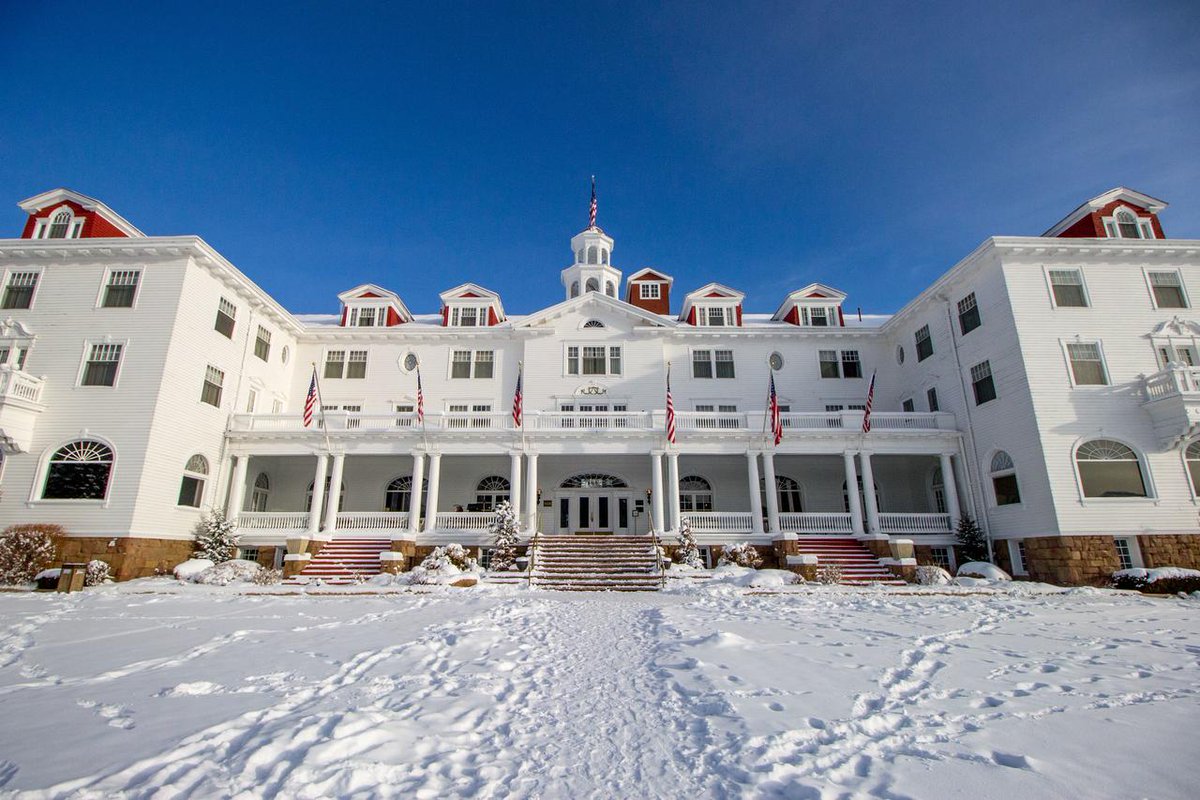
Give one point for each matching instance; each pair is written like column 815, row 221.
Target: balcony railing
column 273, row 520
column 18, row 385
column 815, row 522
column 915, row 523
column 372, row 521
column 1176, row 379
column 588, row 420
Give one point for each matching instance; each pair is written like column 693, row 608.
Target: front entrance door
column 593, row 511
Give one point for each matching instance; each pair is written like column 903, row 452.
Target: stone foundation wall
column 127, row 557
column 1068, row 560
column 1171, row 550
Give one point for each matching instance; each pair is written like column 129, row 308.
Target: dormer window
column 468, row 316
column 60, row 224
column 715, row 316
column 368, row 317
column 1124, row 224
column 817, row 317
column 1127, row 225
column 650, row 291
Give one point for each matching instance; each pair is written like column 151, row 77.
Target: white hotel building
column 1045, row 385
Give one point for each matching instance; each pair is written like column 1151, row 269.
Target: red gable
column 94, row 225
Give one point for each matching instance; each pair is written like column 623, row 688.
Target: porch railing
column 815, row 522
column 273, row 520
column 372, row 520
column 915, row 523
column 719, row 521
column 589, row 420
column 464, row 520
column 710, row 421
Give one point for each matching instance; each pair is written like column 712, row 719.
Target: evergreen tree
column 971, row 539
column 216, row 537
column 688, row 553
column 505, row 530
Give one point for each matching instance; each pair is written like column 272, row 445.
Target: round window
column 776, row 361
column 899, row 354
column 409, row 362
column 285, row 354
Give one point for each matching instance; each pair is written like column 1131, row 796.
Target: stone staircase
column 859, row 565
column 342, row 562
column 599, row 563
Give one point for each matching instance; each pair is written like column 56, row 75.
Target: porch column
column 431, row 501
column 514, row 487
column 772, row 492
column 856, row 515
column 950, row 489
column 531, row 498
column 318, row 495
column 673, row 489
column 756, row 523
column 868, row 493
column 416, row 497
column 237, row 487
column 335, row 492
column 656, row 489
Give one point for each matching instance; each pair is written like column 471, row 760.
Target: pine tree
column 505, row 530
column 971, row 539
column 216, row 537
column 688, row 553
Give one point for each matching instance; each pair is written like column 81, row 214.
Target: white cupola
column 592, row 270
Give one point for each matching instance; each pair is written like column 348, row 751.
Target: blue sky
column 865, row 145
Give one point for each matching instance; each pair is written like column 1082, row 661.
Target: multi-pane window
column 214, row 379
column 924, row 343
column 724, row 363
column 932, row 398
column 1168, row 290
column 1109, row 469
column 1067, row 285
column 1126, row 225
column 1004, row 479
column 356, row 364
column 1087, row 364
column 101, row 366
column 226, row 314
column 191, row 488
column 121, row 288
column 908, row 405
column 1124, row 553
column 1016, row 551
column 261, row 493
column 79, row 471
column 468, row 316
column 649, row 291
column 702, row 364
column 614, row 361
column 251, row 401
column 968, row 314
column 262, row 343
column 335, row 363
column 461, row 361
column 593, row 360
column 366, row 317
column 59, row 225
column 19, row 291
column 829, row 364
column 484, row 363
column 695, row 494
column 715, row 315
column 818, row 317
column 940, row 556
column 982, row 383
column 851, row 366
column 712, row 363
column 460, row 364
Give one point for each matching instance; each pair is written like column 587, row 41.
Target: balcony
column 20, row 406
column 1172, row 398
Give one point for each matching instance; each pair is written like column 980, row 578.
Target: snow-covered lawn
column 155, row 689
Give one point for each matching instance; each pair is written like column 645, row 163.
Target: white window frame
column 74, row 224
column 649, row 290
column 350, row 359
column 1187, row 472
column 608, row 359
column 43, row 470
column 221, row 304
column 1019, row 567
column 1146, row 271
column 1135, row 552
column 1003, row 473
column 728, row 313
column 201, row 477
column 472, row 363
column 1144, row 465
column 354, row 312
column 108, row 273
column 712, row 362
column 1087, row 297
column 1112, row 228
column 258, row 336
column 1065, row 345
column 8, row 273
column 87, row 351
column 455, row 315
column 325, row 360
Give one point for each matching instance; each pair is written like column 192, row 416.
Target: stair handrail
column 532, row 559
column 655, row 542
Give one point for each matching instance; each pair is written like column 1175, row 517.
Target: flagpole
column 762, row 436
column 666, row 423
column 421, row 401
column 321, row 406
column 520, row 380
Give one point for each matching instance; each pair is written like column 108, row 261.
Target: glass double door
column 594, row 511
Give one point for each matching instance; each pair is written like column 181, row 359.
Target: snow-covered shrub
column 25, row 550
column 216, row 537
column 687, row 553
column 983, row 569
column 189, row 570
column 505, row 530
column 97, row 573
column 235, row 570
column 930, row 575
column 267, row 577
column 742, row 555
column 443, row 565
column 1162, row 580
column 971, row 539
column 828, row 574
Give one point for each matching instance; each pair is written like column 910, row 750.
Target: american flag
column 310, row 402
column 592, row 214
column 518, row 400
column 776, row 420
column 867, row 407
column 670, row 409
column 420, row 398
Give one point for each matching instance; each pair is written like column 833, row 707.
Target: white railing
column 1175, row 380
column 464, row 520
column 20, row 385
column 914, row 523
column 710, row 421
column 815, row 522
column 719, row 521
column 273, row 520
column 372, row 520
column 472, row 421
column 811, row 421
column 589, row 420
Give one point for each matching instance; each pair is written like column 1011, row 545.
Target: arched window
column 1127, row 224
column 399, row 494
column 1192, row 459
column 695, row 494
column 937, row 490
column 861, row 497
column 790, row 500
column 592, row 255
column 591, row 480
column 579, row 256
column 1004, row 479
column 309, row 493
column 610, row 289
column 603, row 255
column 79, row 471
column 574, row 288
column 491, row 491
column 191, row 488
column 593, row 323
column 1109, row 469
column 261, row 493
column 593, row 285
column 60, row 225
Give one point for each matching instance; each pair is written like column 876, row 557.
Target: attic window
column 1126, row 225
column 650, row 291
column 818, row 317
column 367, row 317
column 713, row 316
column 468, row 316
column 60, row 225
column 593, row 323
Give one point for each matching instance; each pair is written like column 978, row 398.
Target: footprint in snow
column 1011, row 760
